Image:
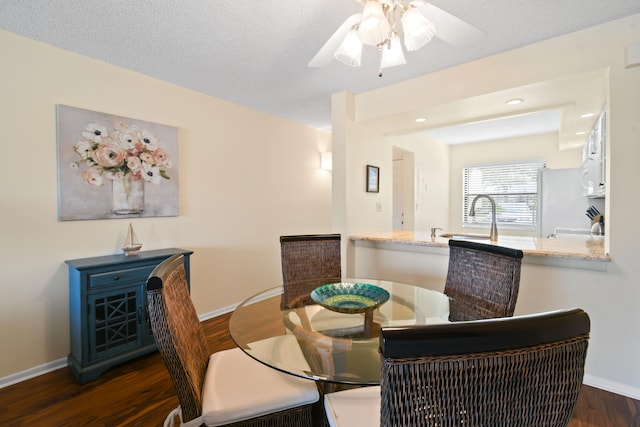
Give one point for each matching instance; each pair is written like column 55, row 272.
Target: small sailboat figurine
column 131, row 244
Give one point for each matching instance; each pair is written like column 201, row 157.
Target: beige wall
column 245, row 179
column 610, row 296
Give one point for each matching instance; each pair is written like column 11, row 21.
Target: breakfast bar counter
column 586, row 248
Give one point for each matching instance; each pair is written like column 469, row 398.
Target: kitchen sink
column 465, row 236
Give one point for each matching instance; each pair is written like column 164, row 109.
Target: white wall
column 245, row 179
column 403, row 197
column 611, row 296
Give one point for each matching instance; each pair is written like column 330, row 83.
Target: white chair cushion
column 358, row 407
column 238, row 388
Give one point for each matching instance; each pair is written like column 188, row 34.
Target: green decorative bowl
column 350, row 297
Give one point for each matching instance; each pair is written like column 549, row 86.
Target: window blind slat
column 514, row 187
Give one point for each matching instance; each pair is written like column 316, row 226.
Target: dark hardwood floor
column 140, row 393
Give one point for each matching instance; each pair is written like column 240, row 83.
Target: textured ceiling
column 255, row 52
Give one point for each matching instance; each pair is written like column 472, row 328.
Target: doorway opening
column 403, row 189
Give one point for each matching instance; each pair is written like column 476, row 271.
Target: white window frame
column 514, row 187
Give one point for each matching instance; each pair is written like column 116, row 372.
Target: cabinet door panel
column 114, row 323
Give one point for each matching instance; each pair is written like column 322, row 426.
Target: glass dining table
column 308, row 340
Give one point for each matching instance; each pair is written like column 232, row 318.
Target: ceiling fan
column 380, row 24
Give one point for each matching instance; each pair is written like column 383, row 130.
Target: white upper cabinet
column 594, row 159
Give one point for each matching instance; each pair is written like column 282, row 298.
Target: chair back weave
column 178, row 333
column 519, row 371
column 308, row 261
column 482, row 280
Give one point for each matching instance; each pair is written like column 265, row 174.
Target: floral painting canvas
column 115, row 167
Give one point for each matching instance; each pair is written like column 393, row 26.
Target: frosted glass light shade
column 326, row 161
column 633, row 56
column 350, row 50
column 417, row 29
column 374, row 26
column 392, row 54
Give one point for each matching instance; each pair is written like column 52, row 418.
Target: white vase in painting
column 127, row 195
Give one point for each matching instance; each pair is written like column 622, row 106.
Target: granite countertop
column 585, row 247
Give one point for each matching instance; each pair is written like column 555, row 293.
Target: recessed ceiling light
column 585, row 115
column 581, row 133
column 514, row 101
column 421, row 120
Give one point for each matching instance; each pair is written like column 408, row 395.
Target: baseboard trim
column 230, row 308
column 33, row 372
column 216, row 313
column 612, row 386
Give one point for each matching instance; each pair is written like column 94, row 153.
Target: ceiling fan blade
column 449, row 28
column 325, row 54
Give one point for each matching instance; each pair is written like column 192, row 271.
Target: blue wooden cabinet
column 107, row 310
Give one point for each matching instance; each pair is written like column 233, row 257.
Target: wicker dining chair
column 224, row 388
column 515, row 371
column 482, row 280
column 308, row 261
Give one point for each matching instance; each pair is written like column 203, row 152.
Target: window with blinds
column 514, row 187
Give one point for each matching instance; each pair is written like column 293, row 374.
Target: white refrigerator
column 560, row 201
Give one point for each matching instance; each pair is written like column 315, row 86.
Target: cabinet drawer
column 110, row 278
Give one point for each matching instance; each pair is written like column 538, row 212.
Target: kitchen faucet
column 493, row 236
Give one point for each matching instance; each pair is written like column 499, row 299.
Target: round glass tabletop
column 309, row 340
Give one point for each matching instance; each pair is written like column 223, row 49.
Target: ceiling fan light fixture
column 392, row 53
column 374, row 27
column 416, row 21
column 350, row 50
column 418, row 30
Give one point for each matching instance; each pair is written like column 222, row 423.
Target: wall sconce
column 633, row 56
column 326, row 162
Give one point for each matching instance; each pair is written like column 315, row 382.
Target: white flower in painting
column 134, row 163
column 151, row 173
column 93, row 177
column 149, row 140
column 124, row 126
column 95, row 132
column 127, row 140
column 83, row 148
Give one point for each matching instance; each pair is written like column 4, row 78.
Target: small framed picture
column 373, row 179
